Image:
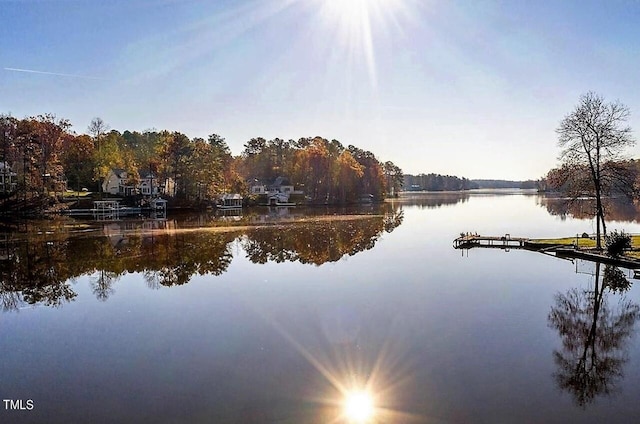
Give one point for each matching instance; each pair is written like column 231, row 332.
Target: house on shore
column 276, row 193
column 119, row 183
column 280, row 185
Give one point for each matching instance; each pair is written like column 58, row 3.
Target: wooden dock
column 468, row 241
column 506, row 242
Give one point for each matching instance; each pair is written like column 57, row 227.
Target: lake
column 280, row 315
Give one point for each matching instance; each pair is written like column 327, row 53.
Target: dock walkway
column 506, row 242
column 502, row 242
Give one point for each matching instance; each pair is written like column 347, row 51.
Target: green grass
column 567, row 241
column 590, row 243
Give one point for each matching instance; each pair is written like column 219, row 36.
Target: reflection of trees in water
column 32, row 273
column 40, row 271
column 432, row 200
column 594, row 336
column 102, row 285
column 318, row 242
column 615, row 209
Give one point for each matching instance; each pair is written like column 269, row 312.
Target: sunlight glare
column 358, row 407
column 356, row 23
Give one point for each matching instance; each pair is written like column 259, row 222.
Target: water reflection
column 39, row 267
column 433, row 200
column 594, row 336
column 616, row 209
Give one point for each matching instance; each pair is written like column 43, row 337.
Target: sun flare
column 359, row 407
column 359, row 24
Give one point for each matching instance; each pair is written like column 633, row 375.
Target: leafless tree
column 594, row 137
column 97, row 128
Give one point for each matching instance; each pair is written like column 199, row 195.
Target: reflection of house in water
column 277, row 214
column 115, row 235
column 118, row 232
column 7, row 249
column 229, row 215
column 8, row 179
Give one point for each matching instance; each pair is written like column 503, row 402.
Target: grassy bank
column 588, row 243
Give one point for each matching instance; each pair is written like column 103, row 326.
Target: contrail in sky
column 31, row 71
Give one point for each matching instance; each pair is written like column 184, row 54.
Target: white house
column 117, row 184
column 149, row 184
column 280, row 185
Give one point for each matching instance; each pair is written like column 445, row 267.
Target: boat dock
column 562, row 251
column 107, row 210
column 468, row 241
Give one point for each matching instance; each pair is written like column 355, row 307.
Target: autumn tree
column 349, row 171
column 78, row 159
column 222, row 160
column 175, row 152
column 373, row 179
column 394, row 178
column 593, row 138
column 8, row 128
column 96, row 129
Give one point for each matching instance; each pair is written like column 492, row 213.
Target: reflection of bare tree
column 152, row 278
column 102, row 285
column 594, row 337
column 10, row 300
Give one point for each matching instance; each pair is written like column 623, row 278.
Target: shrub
column 617, row 243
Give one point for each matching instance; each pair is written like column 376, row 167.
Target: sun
column 358, row 407
column 358, row 24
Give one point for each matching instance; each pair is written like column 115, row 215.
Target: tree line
column 46, row 157
column 437, row 182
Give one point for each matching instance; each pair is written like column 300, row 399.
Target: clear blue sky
column 471, row 88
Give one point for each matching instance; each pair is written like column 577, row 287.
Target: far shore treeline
column 41, row 158
column 437, row 182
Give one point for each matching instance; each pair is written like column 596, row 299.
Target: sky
column 467, row 88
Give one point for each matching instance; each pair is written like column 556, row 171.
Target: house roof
column 146, row 173
column 280, row 181
column 231, row 196
column 119, row 172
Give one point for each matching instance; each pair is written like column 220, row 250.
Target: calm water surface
column 276, row 318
